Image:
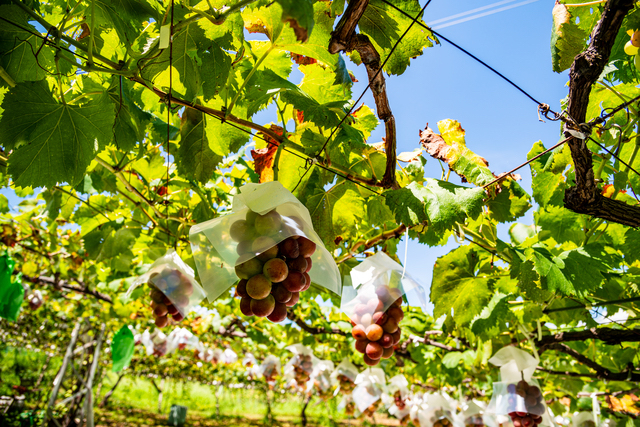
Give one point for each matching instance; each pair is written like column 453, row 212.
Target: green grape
column 636, row 61
column 630, row 49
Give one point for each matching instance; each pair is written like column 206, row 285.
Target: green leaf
column 583, row 270
column 385, row 25
column 560, row 224
column 493, row 318
column 263, row 86
column 122, row 347
column 4, row 204
column 456, row 287
column 407, row 204
column 125, row 16
column 567, row 39
column 449, row 203
column 130, row 121
column 195, row 159
column 327, row 115
column 299, row 15
column 215, row 69
column 631, row 247
column 510, row 203
column 18, row 46
column 52, row 142
column 549, row 270
column 189, row 49
column 336, row 212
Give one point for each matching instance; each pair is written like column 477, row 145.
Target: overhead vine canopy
column 125, row 123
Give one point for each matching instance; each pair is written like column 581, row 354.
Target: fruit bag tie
column 370, row 385
column 374, row 305
column 174, row 289
column 518, row 395
column 268, row 246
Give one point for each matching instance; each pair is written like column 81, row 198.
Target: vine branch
column 587, row 67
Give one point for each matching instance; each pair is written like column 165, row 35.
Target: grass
column 136, row 404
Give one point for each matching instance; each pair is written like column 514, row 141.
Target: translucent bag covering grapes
column 584, row 419
column 472, row 413
column 35, row 300
column 347, row 405
column 491, row 419
column 229, row 356
column 321, row 379
column 398, row 389
column 250, row 362
column 300, row 367
column 345, row 377
column 373, row 302
column 155, row 343
column 518, row 395
column 270, row 368
column 174, row 289
column 185, row 339
column 267, row 246
column 417, row 404
column 367, row 394
column 440, row 411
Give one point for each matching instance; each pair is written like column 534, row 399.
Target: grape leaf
column 130, row 121
column 455, row 286
column 186, row 57
column 510, row 203
column 385, row 25
column 52, row 142
column 560, row 224
column 122, row 347
column 125, row 16
column 336, row 211
column 18, row 46
column 195, row 159
column 451, row 148
column 299, row 15
column 407, row 204
column 567, row 39
column 448, row 203
column 583, row 270
column 493, row 317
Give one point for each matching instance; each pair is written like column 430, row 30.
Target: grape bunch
column 35, row 300
column 525, row 404
column 350, row 408
column 441, row 418
column 302, row 367
column 372, row 409
column 631, row 48
column 376, row 334
column 172, row 282
column 474, row 421
column 271, row 280
column 346, row 385
column 398, row 400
